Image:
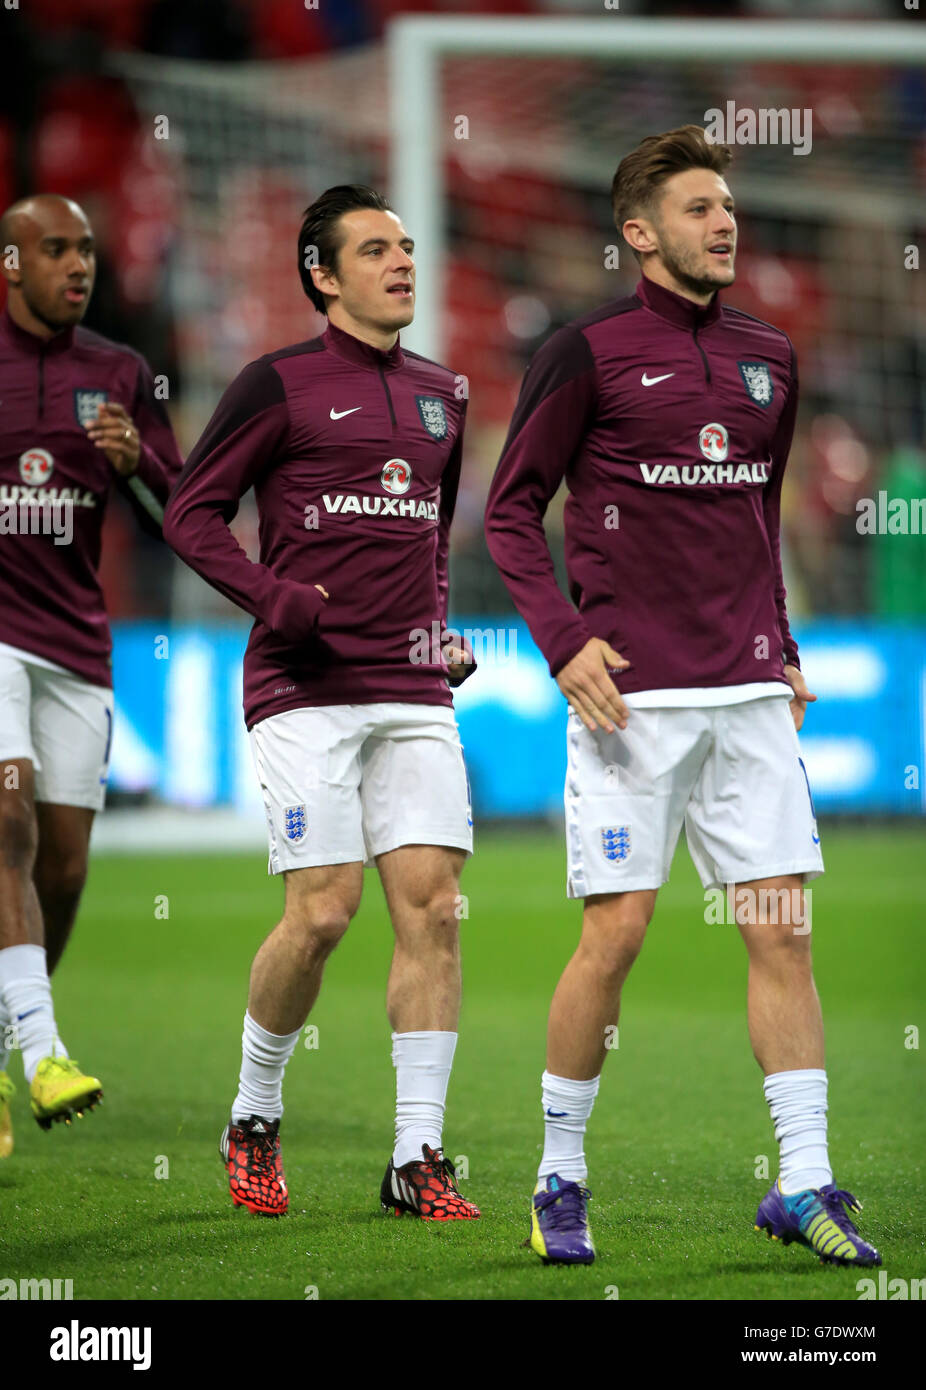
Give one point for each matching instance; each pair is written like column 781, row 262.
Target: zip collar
column 359, row 353
column 675, row 308
column 24, row 341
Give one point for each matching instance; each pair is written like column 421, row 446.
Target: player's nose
column 725, row 224
column 78, row 265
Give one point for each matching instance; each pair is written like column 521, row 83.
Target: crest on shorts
column 294, row 823
column 87, row 404
column 758, row 381
column 433, row 415
column 615, row 842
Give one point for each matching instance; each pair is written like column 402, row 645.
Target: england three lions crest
column 615, row 842
column 433, row 415
column 758, row 381
column 87, row 405
column 294, row 823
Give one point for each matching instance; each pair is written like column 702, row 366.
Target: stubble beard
column 681, row 263
column 60, row 324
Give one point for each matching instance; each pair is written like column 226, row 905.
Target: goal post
column 417, row 44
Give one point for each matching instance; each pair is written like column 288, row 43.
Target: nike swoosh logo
column 651, row 380
column 557, row 1114
column 28, row 1014
column 339, row 414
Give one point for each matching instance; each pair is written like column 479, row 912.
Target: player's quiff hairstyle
column 320, row 230
column 641, row 174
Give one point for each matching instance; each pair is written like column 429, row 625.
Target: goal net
column 497, row 141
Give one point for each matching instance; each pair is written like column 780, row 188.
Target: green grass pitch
column 154, row 1007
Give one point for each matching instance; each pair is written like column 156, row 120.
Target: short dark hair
column 642, row 173
column 320, row 233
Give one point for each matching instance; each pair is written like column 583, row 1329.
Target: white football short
column 63, row 725
column 732, row 774
column 348, row 782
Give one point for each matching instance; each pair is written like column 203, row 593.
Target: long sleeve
column 159, row 459
column 449, row 486
column 771, row 504
column 553, row 412
column 250, row 424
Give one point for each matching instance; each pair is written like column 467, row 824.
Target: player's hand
column 295, row 610
column 586, row 682
column 460, row 664
column 113, row 432
column 802, row 696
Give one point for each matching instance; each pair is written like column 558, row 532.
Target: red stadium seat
column 84, row 136
column 117, row 22
column 7, row 173
column 284, row 30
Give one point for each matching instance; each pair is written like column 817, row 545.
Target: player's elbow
column 174, row 525
column 496, row 528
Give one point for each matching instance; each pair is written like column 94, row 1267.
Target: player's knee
column 615, row 951
column 322, row 929
column 431, row 925
column 442, row 919
column 62, row 879
column 784, row 944
column 18, row 835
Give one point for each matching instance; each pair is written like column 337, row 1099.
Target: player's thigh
column 64, row 847
column 308, row 766
column 18, row 826
column 321, row 901
column 625, row 798
column 774, row 917
column 414, row 788
column 614, row 926
column 18, row 829
column 751, row 813
column 421, row 884
column 17, row 748
column 72, row 727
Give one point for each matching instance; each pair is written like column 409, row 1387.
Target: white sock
column 6, row 1035
column 567, row 1105
column 797, row 1101
column 263, row 1060
column 26, row 993
column 422, row 1064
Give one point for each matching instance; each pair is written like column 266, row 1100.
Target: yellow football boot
column 60, row 1090
column 7, row 1092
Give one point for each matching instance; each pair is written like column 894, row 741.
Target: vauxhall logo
column 696, row 474
column 714, row 443
column 396, row 478
column 379, row 506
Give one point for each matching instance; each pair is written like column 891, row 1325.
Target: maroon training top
column 51, row 602
column 671, row 424
column 354, row 455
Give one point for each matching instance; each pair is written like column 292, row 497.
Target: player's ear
column 9, row 264
column 638, row 233
column 324, row 280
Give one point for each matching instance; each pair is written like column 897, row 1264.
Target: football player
column 670, row 416
column 353, row 447
column 79, row 417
